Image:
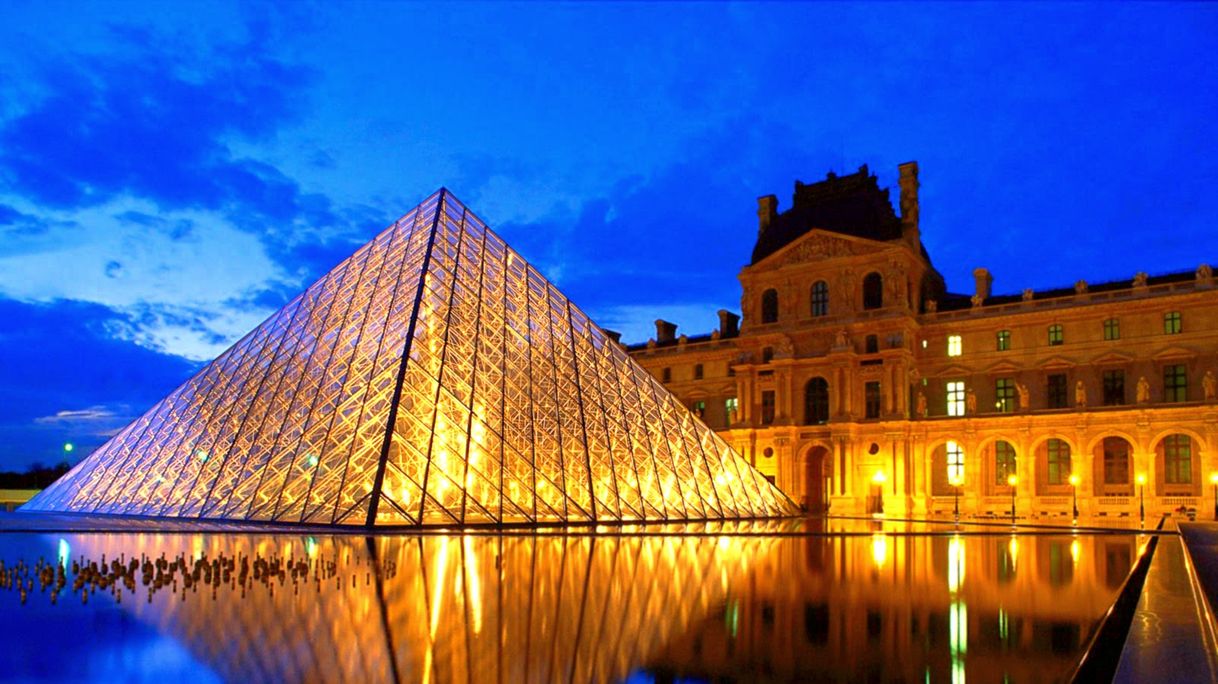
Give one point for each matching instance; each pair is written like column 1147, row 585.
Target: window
column 767, row 354
column 699, row 408
column 1112, row 329
column 955, row 462
column 1004, row 462
column 1004, row 340
column 955, row 398
column 1116, row 461
column 769, row 306
column 871, row 344
column 1059, row 462
column 1114, row 387
column 666, row 375
column 1004, row 395
column 767, row 407
column 816, row 402
column 1055, row 334
column 954, row 345
column 873, row 291
column 820, row 298
column 1175, row 383
column 871, row 397
column 1171, row 323
column 1056, row 391
column 697, row 371
column 730, row 408
column 1177, row 459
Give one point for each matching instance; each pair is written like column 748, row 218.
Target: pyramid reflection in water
column 433, row 378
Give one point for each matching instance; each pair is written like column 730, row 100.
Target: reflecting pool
column 848, row 602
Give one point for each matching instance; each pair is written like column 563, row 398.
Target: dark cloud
column 60, row 358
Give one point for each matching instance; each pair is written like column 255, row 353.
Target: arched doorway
column 818, row 473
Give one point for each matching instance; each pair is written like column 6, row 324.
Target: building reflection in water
column 465, row 608
column 910, row 607
column 873, row 605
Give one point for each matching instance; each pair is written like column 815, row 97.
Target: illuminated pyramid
column 432, row 378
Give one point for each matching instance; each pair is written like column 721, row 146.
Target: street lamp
column 955, row 481
column 1074, row 495
column 1012, row 480
column 878, row 479
column 1214, row 481
column 1142, row 497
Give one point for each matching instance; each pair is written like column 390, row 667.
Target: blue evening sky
column 171, row 173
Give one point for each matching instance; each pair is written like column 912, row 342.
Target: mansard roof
column 852, row 204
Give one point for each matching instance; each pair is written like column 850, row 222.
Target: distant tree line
column 38, row 476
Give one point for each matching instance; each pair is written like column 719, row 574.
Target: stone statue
column 1080, row 394
column 977, row 300
column 840, row 341
column 1143, row 391
column 908, row 181
column 1025, row 397
column 921, row 405
column 1209, row 386
column 932, row 305
column 1139, row 279
column 1080, row 287
column 1028, row 294
column 784, row 349
column 1205, row 274
column 970, row 401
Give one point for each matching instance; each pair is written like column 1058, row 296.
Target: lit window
column 955, row 398
column 924, row 343
column 954, row 345
column 1004, row 462
column 1175, row 383
column 1004, row 340
column 699, row 408
column 1112, row 329
column 1171, row 323
column 955, row 462
column 697, row 371
column 1059, row 461
column 820, row 298
column 1055, row 334
column 1177, row 459
column 730, row 407
column 1004, row 395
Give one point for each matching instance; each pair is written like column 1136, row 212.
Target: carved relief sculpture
column 1143, row 391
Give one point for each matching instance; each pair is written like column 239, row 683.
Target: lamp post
column 1214, row 481
column 1012, row 480
column 1142, row 497
column 954, row 481
column 1074, row 496
column 878, row 479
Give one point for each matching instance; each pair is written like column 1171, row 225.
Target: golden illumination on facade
column 435, row 377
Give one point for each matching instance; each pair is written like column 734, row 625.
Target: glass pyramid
column 433, row 378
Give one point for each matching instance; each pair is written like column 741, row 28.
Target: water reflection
column 880, row 605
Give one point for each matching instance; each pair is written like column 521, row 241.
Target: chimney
column 908, row 181
column 983, row 280
column 613, row 335
column 665, row 331
column 729, row 324
column 767, row 211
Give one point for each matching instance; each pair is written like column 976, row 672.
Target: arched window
column 1058, row 459
column 873, row 291
column 769, row 306
column 816, row 402
column 820, row 298
column 1004, row 462
column 1177, row 459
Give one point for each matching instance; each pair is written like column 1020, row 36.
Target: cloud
column 89, row 418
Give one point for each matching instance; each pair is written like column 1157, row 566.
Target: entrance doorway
column 818, row 474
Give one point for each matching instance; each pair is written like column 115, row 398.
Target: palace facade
column 856, row 382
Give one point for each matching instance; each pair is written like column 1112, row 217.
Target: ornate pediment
column 818, row 245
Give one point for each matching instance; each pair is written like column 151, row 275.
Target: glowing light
column 879, row 477
column 312, row 460
column 1141, row 478
column 1013, row 550
column 1214, row 478
column 1075, row 551
column 955, row 564
column 879, row 549
column 1012, row 480
column 1074, row 480
column 64, row 553
column 474, row 582
column 958, row 629
column 311, row 547
column 68, row 447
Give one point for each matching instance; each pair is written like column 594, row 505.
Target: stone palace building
column 858, row 383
